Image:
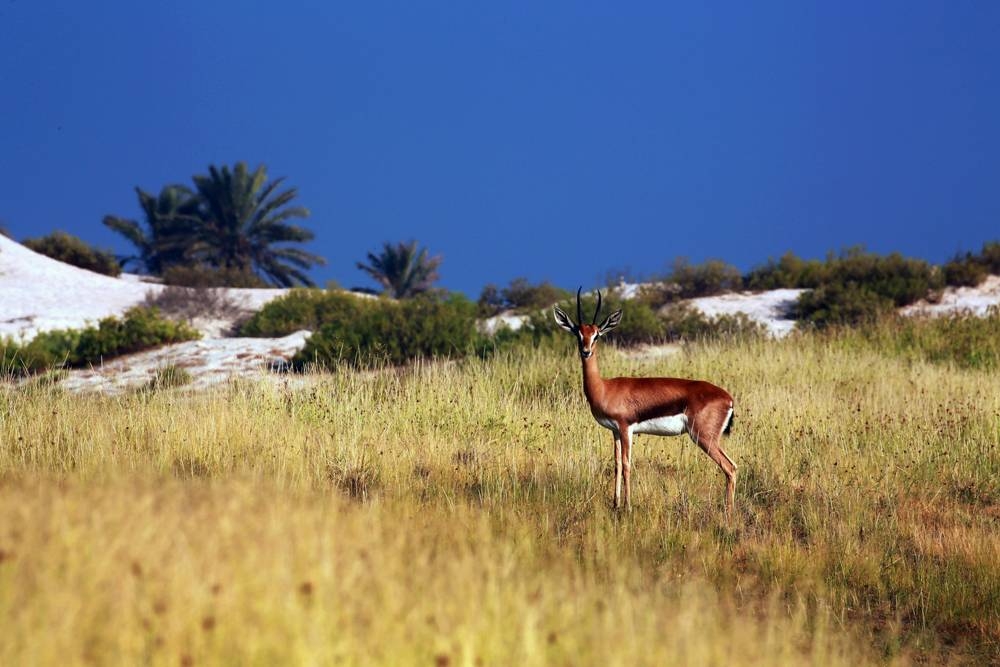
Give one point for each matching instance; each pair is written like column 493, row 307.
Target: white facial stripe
column 669, row 425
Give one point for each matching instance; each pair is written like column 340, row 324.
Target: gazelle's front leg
column 618, row 470
column 626, row 457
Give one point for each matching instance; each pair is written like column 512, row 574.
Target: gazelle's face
column 587, row 335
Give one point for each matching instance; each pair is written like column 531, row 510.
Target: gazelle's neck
column 593, row 384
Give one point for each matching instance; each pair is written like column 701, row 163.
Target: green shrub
column 519, row 295
column 208, row 276
column 851, row 287
column 856, row 287
column 73, row 250
column 303, row 308
column 837, row 304
column 969, row 270
column 683, row 322
column 373, row 332
column 706, row 279
column 170, row 376
column 990, row 256
column 690, row 281
column 900, row 279
column 964, row 271
column 788, row 272
column 139, row 329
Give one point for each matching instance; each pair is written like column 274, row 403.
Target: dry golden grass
column 458, row 513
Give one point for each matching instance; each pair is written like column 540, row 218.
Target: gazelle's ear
column 614, row 319
column 562, row 319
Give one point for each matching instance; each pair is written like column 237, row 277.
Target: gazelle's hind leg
column 711, row 447
column 627, row 466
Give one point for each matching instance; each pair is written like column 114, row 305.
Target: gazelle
column 660, row 406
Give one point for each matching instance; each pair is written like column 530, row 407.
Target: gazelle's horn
column 598, row 309
column 579, row 309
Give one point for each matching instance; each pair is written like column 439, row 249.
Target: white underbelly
column 607, row 423
column 669, row 425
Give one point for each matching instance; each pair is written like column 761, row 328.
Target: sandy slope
column 976, row 300
column 209, row 361
column 38, row 294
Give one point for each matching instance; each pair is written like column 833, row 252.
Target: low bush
column 690, row 281
column 970, row 269
column 140, row 329
column 836, row 304
column 191, row 302
column 851, row 287
column 964, row 271
column 707, row 279
column 519, row 295
column 170, row 376
column 207, row 276
column 790, row 271
column 373, row 332
column 73, row 250
column 683, row 322
column 303, row 308
column 855, row 287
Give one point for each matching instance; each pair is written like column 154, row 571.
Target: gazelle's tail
column 729, row 421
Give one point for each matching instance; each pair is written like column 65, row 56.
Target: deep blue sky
column 554, row 140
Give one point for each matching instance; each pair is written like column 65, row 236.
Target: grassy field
column 459, row 514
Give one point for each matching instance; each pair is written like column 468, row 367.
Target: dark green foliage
column 901, row 280
column 519, row 295
column 169, row 227
column 206, row 276
column 302, row 309
column 402, row 269
column 689, row 281
column 170, row 376
column 379, row 331
column 682, row 322
column 837, row 304
column 788, row 272
column 964, row 271
column 73, row 250
column 242, row 218
column 139, row 329
column 970, row 269
column 707, row 279
column 855, row 287
column 234, row 222
column 640, row 324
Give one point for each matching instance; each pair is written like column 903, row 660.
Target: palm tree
column 170, row 220
column 242, row 218
column 401, row 270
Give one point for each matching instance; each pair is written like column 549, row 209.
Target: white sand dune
column 209, row 361
column 975, row 300
column 40, row 294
